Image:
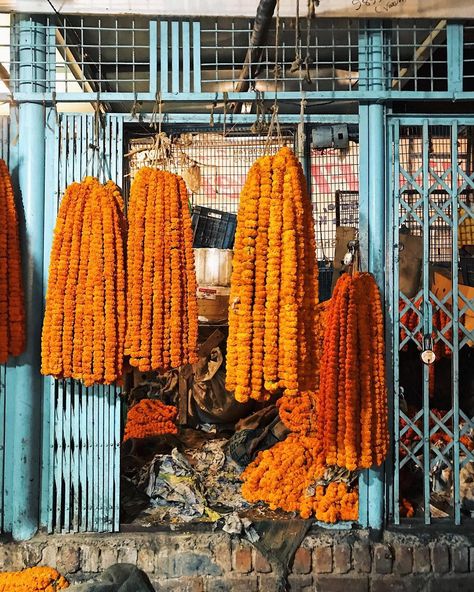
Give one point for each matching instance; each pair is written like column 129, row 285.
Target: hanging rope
column 308, row 61
column 274, row 121
column 297, row 62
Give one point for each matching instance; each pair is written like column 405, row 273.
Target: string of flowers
column 274, row 287
column 84, row 323
column 150, row 417
column 12, row 313
column 352, row 418
column 161, row 290
column 33, row 579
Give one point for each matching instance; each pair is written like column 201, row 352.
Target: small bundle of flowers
column 274, row 284
column 84, row 323
column 12, row 312
column 33, row 579
column 297, row 412
column 162, row 317
column 352, row 403
column 150, row 417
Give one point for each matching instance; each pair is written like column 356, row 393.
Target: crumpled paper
column 200, row 485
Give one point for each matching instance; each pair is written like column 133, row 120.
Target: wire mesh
column 417, row 55
column 87, row 54
column 223, row 162
column 311, row 55
column 334, row 194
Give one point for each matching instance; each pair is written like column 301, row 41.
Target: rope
column 274, row 121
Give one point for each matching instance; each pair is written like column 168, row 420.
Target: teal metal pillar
column 29, row 384
column 372, row 215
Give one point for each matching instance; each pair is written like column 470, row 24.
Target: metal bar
column 89, row 398
column 435, row 120
column 175, row 69
column 50, row 209
column 95, row 436
column 106, row 470
column 426, row 298
column 75, row 497
column 455, row 49
column 206, row 97
column 186, row 49
column 116, row 524
column 153, row 57
column 67, row 398
column 29, row 384
column 396, row 314
column 83, row 483
column 240, row 118
column 58, row 445
column 111, row 464
column 455, row 320
column 196, row 57
column 100, row 464
column 163, row 58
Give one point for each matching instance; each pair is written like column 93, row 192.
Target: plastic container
column 212, row 228
column 213, row 266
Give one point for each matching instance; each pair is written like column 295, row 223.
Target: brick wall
column 216, row 562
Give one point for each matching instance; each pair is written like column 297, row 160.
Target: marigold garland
column 150, row 417
column 12, row 313
column 84, row 323
column 274, row 287
column 352, row 419
column 33, row 579
column 162, row 307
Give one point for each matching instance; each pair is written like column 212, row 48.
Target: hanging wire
column 274, row 121
column 308, row 61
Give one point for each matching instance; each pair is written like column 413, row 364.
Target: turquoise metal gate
column 432, row 190
column 81, row 444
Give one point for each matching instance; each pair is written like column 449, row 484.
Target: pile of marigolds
column 12, row 314
column 274, row 283
column 339, row 429
column 150, row 417
column 84, row 323
column 162, row 318
column 34, row 579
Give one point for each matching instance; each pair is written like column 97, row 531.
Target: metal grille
column 132, row 55
column 417, row 55
column 433, row 411
column 334, row 194
column 323, row 56
column 223, row 160
column 88, row 54
column 84, row 422
column 468, row 61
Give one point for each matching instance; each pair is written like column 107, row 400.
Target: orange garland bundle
column 84, row 323
column 150, row 417
column 33, row 579
column 12, row 313
column 352, row 414
column 162, row 306
column 274, row 285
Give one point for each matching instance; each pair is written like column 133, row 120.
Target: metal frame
column 53, row 468
column 450, row 423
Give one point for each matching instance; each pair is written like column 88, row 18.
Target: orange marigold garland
column 353, row 418
column 33, row 579
column 84, row 323
column 149, row 418
column 274, row 284
column 161, row 293
column 12, row 313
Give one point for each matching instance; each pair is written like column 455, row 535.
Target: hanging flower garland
column 150, row 417
column 12, row 313
column 33, row 579
column 274, row 287
column 352, row 419
column 84, row 323
column 162, row 307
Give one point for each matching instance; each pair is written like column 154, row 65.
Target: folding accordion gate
column 431, row 219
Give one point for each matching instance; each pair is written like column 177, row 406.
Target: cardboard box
column 213, row 303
